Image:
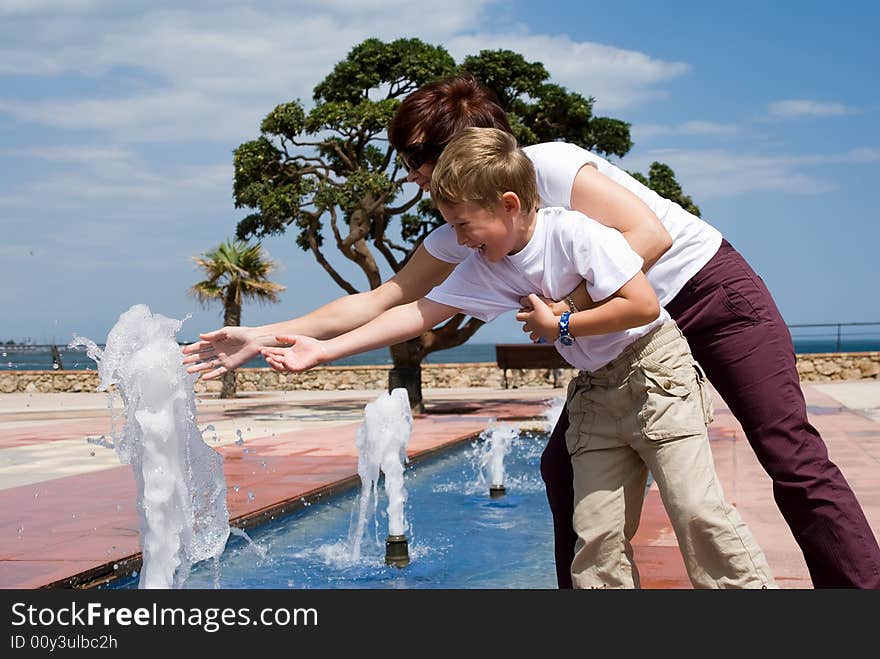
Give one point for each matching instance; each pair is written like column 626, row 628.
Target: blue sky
column 118, row 122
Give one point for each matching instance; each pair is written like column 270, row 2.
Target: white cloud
column 192, row 74
column 165, row 115
column 708, row 174
column 186, row 73
column 81, row 154
column 864, row 154
column 806, row 108
column 618, row 79
column 688, row 128
column 55, row 6
column 232, row 43
column 113, row 181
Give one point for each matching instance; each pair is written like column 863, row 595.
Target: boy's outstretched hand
column 220, row 351
column 303, row 353
column 538, row 319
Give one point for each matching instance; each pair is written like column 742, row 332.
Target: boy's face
column 490, row 231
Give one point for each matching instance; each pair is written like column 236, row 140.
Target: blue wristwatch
column 566, row 338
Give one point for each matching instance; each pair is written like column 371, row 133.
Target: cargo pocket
column 673, row 405
column 581, row 414
column 705, row 394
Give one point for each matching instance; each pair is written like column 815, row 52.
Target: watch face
column 566, row 340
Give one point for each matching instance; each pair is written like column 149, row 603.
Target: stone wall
column 829, row 366
column 824, row 367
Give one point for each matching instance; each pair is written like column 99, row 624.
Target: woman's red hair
column 435, row 112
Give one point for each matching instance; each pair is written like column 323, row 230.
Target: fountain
column 497, row 439
column 381, row 441
column 459, row 538
column 181, row 489
column 464, row 541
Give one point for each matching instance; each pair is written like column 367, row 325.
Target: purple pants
column 739, row 338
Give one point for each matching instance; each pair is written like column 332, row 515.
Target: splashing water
column 552, row 412
column 381, row 441
column 490, row 453
column 181, row 490
column 260, row 551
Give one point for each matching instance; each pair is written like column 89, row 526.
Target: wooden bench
column 529, row 355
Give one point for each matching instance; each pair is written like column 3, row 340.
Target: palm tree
column 236, row 271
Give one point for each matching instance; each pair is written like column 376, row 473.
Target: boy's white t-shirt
column 694, row 241
column 566, row 249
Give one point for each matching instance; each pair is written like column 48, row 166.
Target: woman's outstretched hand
column 302, row 353
column 220, row 351
column 538, row 319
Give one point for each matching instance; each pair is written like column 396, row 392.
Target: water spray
column 497, row 440
column 381, row 441
column 181, row 489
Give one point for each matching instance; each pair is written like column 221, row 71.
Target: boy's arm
column 395, row 325
column 228, row 348
column 580, row 299
column 420, row 274
column 633, row 305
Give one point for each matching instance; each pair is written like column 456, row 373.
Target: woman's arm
column 398, row 324
column 421, row 273
column 610, row 203
column 228, row 348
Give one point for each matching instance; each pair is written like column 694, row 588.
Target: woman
column 723, row 308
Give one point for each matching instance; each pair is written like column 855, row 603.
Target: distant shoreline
column 20, row 358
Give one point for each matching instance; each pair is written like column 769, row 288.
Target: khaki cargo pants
column 648, row 410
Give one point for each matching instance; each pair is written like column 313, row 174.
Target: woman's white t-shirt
column 694, row 241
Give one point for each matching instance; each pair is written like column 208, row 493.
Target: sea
column 39, row 357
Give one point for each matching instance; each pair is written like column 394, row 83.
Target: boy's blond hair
column 481, row 164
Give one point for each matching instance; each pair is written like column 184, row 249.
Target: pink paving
column 71, row 531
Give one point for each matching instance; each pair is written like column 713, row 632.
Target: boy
column 640, row 401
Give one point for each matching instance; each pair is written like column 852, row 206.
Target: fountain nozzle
column 496, row 491
column 396, row 551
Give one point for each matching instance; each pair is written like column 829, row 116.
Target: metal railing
column 837, row 332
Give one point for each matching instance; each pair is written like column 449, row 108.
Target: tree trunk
column 231, row 318
column 407, row 372
column 228, row 388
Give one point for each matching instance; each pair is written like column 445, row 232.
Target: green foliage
column 333, row 162
column 539, row 111
column 402, row 66
column 611, row 134
column 661, row 179
column 257, row 165
column 364, row 117
column 506, row 73
column 235, row 271
column 416, row 226
column 287, row 119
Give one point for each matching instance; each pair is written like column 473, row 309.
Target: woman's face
column 421, row 176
